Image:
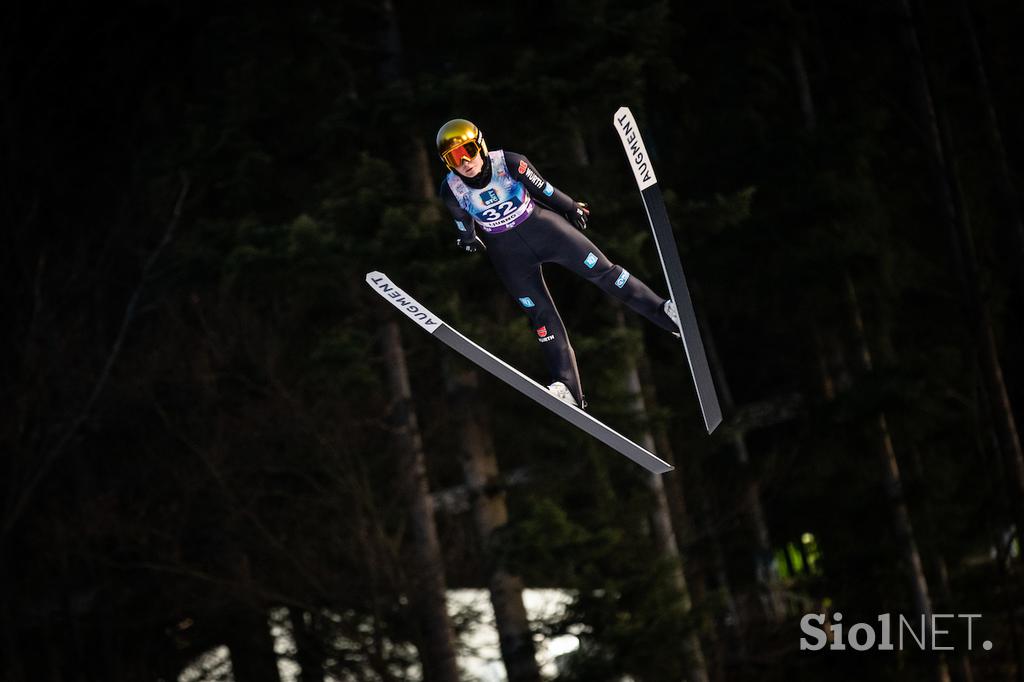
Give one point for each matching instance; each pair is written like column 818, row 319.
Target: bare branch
column 50, row 457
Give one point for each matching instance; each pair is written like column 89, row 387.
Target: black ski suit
column 539, row 234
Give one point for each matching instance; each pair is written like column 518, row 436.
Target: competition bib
column 503, row 204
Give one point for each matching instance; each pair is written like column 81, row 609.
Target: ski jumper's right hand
column 471, row 244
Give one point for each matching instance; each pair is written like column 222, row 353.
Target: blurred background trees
column 208, row 428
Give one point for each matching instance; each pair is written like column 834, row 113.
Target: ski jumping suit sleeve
column 544, row 236
column 543, row 191
column 463, row 220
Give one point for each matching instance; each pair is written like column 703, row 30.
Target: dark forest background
column 208, row 417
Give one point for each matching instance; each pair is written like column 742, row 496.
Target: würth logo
column 537, row 181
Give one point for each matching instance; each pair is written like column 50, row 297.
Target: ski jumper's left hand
column 579, row 216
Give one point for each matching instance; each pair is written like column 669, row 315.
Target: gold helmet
column 459, row 139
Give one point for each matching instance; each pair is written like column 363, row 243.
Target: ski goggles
column 467, row 150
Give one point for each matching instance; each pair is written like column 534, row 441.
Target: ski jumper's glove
column 472, row 244
column 579, row 216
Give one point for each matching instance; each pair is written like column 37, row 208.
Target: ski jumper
column 521, row 234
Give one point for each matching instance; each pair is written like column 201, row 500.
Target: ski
column 668, row 253
column 511, row 376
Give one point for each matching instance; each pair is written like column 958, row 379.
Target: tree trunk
column 993, row 130
column 893, row 484
column 961, row 669
column 953, row 214
column 251, row 646
column 428, row 580
column 426, row 577
column 487, row 498
column 767, row 577
column 309, row 647
column 689, row 527
column 661, row 523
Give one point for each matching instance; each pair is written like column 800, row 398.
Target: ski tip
column 621, row 111
column 370, row 276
